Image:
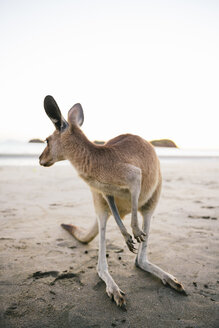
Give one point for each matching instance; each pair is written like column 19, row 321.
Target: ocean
column 14, row 153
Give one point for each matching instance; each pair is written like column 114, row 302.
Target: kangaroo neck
column 78, row 149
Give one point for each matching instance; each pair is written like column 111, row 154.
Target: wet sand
column 48, row 279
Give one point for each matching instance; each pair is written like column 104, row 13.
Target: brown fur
column 104, row 167
column 124, row 176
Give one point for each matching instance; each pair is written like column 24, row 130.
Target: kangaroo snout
column 44, row 162
column 40, row 160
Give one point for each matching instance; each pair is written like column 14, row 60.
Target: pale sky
column 145, row 67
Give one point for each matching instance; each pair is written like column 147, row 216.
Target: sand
column 48, row 279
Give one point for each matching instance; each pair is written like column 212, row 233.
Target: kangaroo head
column 54, row 151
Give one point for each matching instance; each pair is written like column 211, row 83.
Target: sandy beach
column 48, row 279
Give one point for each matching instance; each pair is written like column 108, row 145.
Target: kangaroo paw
column 139, row 235
column 130, row 243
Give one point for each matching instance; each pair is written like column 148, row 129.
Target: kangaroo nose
column 40, row 158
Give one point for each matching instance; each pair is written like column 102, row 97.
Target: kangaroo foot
column 117, row 295
column 174, row 283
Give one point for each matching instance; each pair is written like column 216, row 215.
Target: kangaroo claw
column 139, row 235
column 130, row 243
column 117, row 296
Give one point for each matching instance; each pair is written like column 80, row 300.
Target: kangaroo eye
column 47, row 141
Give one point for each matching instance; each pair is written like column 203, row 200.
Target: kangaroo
column 124, row 177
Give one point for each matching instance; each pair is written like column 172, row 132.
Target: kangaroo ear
column 54, row 113
column 76, row 115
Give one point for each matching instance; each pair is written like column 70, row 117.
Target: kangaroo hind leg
column 103, row 212
column 142, row 260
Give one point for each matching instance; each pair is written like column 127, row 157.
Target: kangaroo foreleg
column 128, row 238
column 134, row 182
